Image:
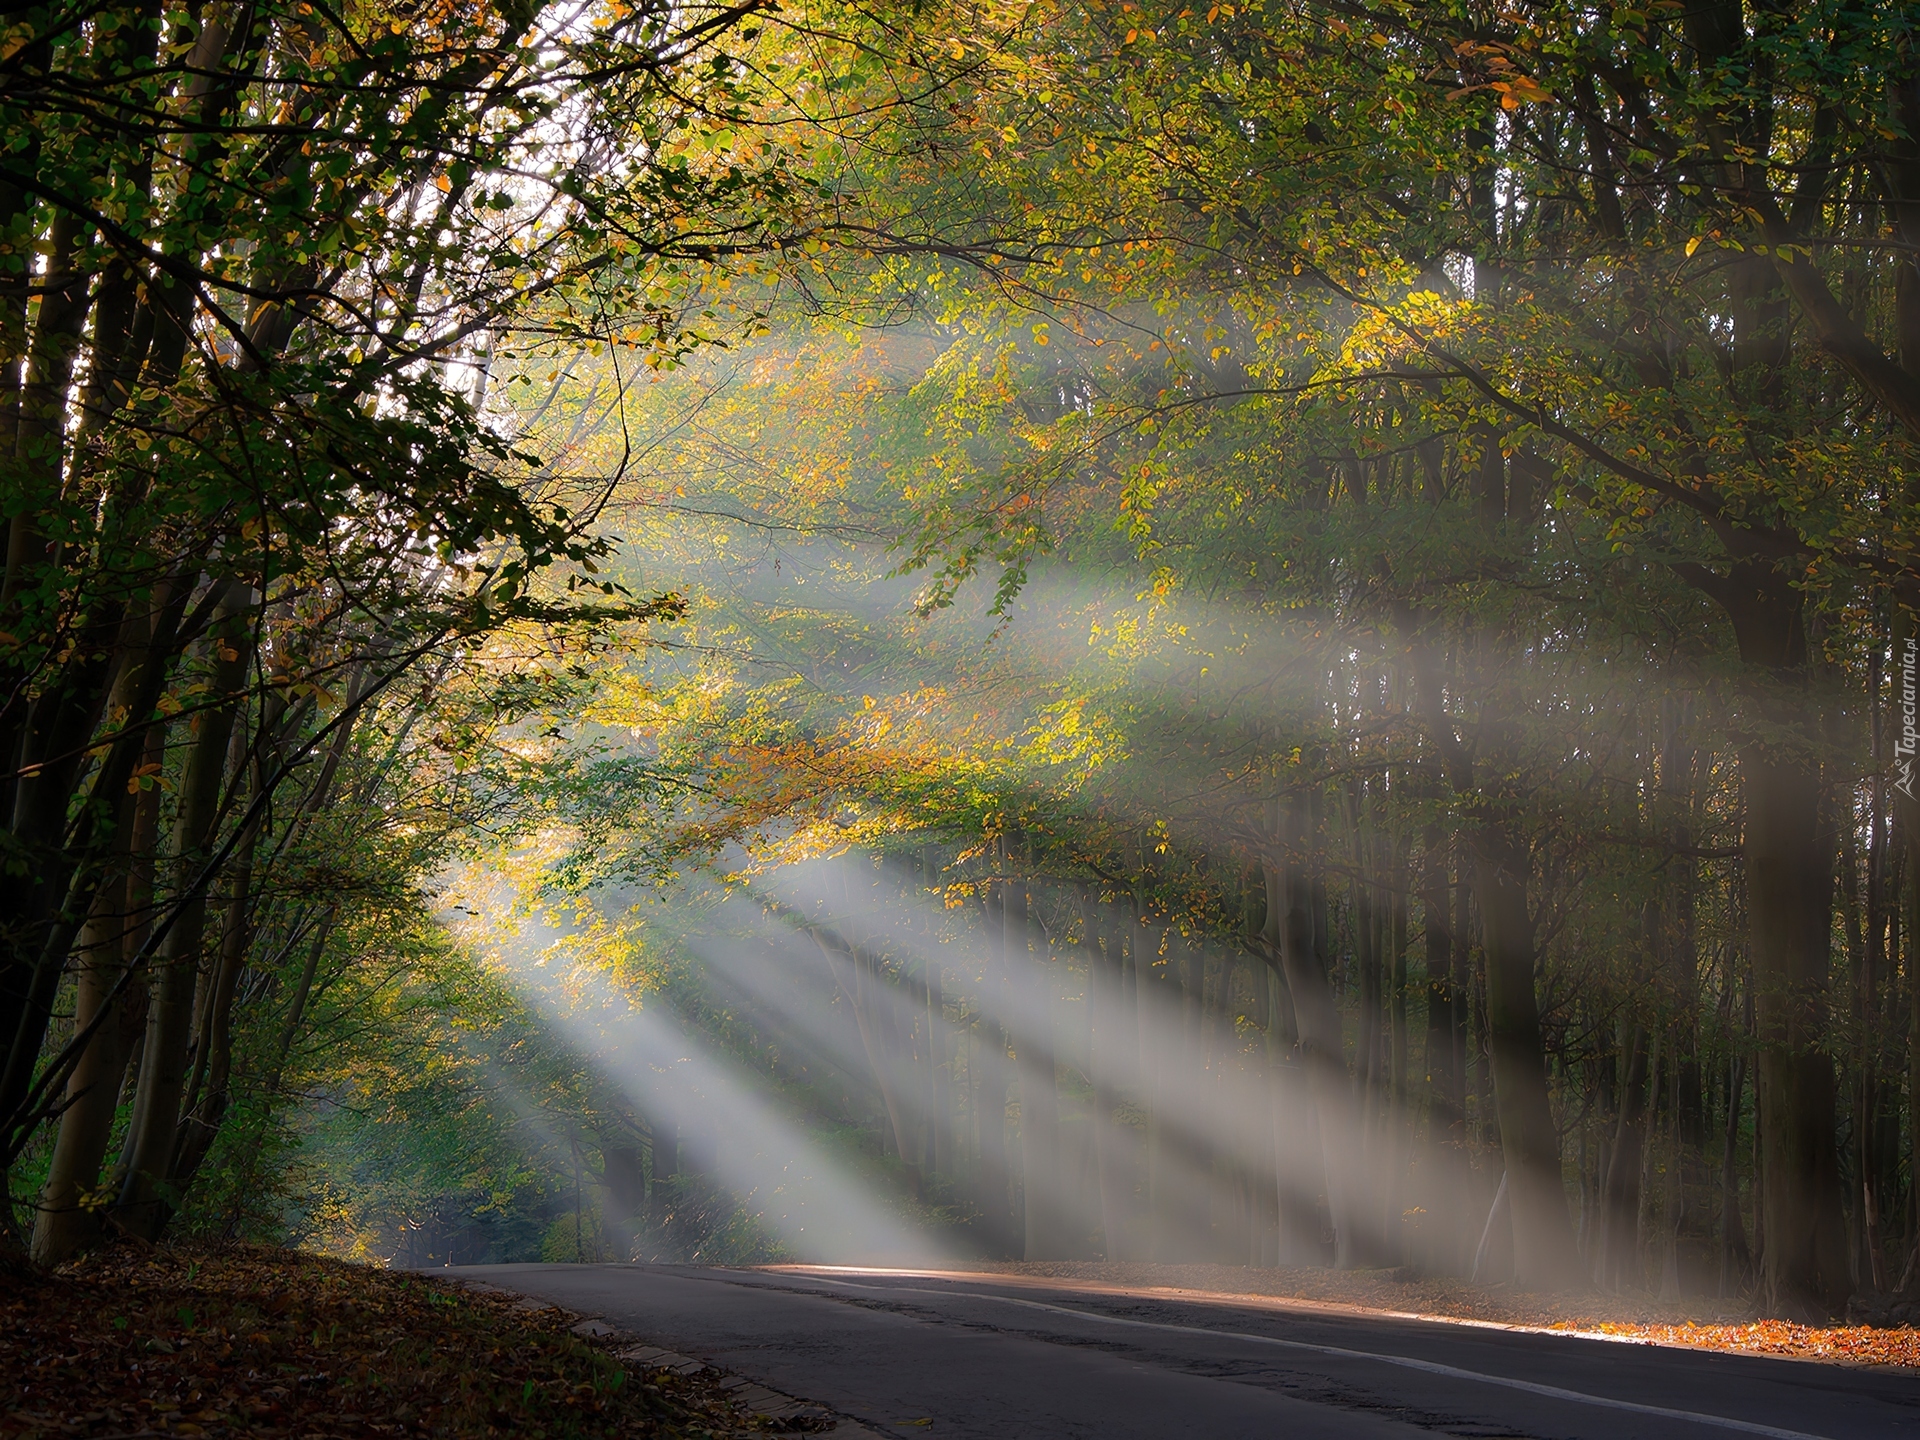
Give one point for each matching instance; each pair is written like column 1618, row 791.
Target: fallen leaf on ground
column 259, row 1342
column 1707, row 1323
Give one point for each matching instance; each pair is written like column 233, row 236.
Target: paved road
column 988, row 1358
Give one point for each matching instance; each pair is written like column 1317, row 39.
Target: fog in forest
column 1277, row 637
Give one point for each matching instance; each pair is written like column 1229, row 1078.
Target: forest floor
column 261, row 1342
column 1707, row 1324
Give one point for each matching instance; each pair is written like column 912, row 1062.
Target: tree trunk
column 996, row 1178
column 1263, row 1116
column 848, row 964
column 207, row 1095
column 1805, row 1267
column 1912, row 947
column 146, row 1199
column 1789, row 884
column 66, row 1219
column 1106, row 1049
column 1042, row 1190
column 939, row 1076
column 1183, row 1182
column 1734, row 1257
column 666, row 1170
column 1399, row 1092
column 302, row 994
column 1544, row 1255
column 624, row 1178
column 1615, row 1262
column 1321, row 1048
column 117, row 931
column 1137, row 1002
column 1446, row 1221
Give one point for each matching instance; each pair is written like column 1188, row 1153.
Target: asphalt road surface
column 996, row 1358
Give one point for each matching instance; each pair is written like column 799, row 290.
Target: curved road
column 989, row 1357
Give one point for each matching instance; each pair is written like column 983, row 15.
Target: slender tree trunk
column 1162, row 1040
column 1805, row 1267
column 666, row 1170
column 1446, row 1093
column 1321, row 1047
column 1874, row 961
column 1912, row 948
column 1734, row 1258
column 1106, row 1048
column 624, row 1179
column 1674, row 1191
column 939, row 1077
column 990, row 1056
column 1042, row 1187
column 146, row 1201
column 996, row 1177
column 1299, row 1172
column 1544, row 1255
column 1615, row 1253
column 1399, row 1091
column 302, row 995
column 64, row 1220
column 1264, row 1246
column 1139, row 1057
column 117, row 930
column 207, row 1095
column 1468, row 1018
column 1905, row 800
column 848, row 964
column 1186, row 1191
column 1657, row 1067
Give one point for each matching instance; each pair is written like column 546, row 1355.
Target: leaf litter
column 264, row 1342
column 1704, row 1324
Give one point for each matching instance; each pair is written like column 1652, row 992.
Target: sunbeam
column 727, row 1127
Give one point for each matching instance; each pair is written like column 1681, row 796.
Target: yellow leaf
column 1693, row 244
column 444, row 182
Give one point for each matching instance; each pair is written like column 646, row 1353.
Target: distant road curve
column 993, row 1357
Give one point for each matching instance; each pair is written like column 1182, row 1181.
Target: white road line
column 1407, row 1362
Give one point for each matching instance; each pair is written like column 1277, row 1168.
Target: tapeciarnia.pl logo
column 1909, row 741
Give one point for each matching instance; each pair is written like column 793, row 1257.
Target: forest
column 1279, row 634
